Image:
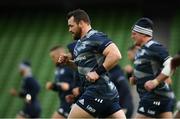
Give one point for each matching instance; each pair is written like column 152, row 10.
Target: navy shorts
column 152, row 107
column 64, row 109
column 31, row 110
column 97, row 107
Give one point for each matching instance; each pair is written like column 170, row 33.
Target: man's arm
column 162, row 56
column 165, row 73
column 112, row 56
column 61, row 86
column 169, row 67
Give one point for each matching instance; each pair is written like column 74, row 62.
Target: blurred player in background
column 152, row 68
column 175, row 62
column 29, row 92
column 63, row 83
column 78, row 84
column 118, row 78
column 94, row 55
column 131, row 54
column 125, row 97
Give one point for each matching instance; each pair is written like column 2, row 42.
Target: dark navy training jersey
column 71, row 46
column 30, row 86
column 63, row 74
column 122, row 85
column 116, row 72
column 88, row 56
column 118, row 78
column 148, row 62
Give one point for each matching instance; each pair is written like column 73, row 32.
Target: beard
column 137, row 43
column 77, row 34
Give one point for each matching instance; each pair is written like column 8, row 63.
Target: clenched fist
column 92, row 76
column 49, row 85
column 76, row 91
column 132, row 80
column 63, row 59
column 151, row 84
column 69, row 98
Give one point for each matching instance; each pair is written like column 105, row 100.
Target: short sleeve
column 102, row 41
column 160, row 52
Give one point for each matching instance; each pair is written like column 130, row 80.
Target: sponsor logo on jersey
column 80, row 58
column 151, row 112
column 90, row 109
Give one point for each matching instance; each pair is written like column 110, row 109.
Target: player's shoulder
column 29, row 78
column 94, row 35
column 152, row 43
column 154, row 46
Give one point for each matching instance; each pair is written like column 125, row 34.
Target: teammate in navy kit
column 78, row 84
column 152, row 68
column 63, row 83
column 29, row 92
column 95, row 54
column 125, row 98
column 175, row 62
column 131, row 54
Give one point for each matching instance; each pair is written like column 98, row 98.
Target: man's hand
column 132, row 80
column 64, row 86
column 128, row 68
column 63, row 59
column 49, row 85
column 69, row 98
column 13, row 92
column 151, row 84
column 92, row 76
column 76, row 91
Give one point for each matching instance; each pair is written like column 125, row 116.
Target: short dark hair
column 79, row 15
column 55, row 47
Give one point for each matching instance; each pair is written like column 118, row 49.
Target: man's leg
column 141, row 116
column 78, row 112
column 166, row 115
column 177, row 114
column 20, row 116
column 118, row 115
column 56, row 115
